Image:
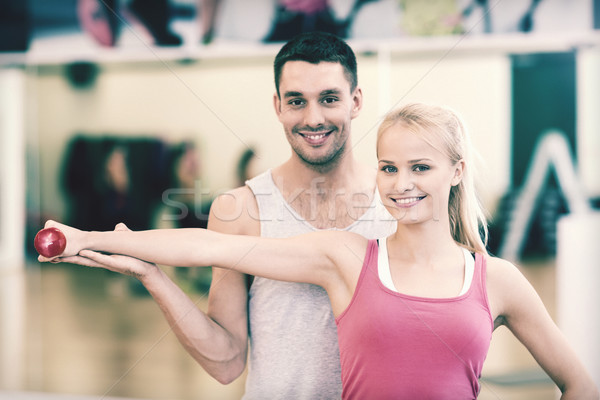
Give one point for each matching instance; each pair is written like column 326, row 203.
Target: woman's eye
column 420, row 168
column 388, row 169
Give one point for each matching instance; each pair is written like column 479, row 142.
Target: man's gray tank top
column 293, row 338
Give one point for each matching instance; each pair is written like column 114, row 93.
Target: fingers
column 79, row 260
column 118, row 263
column 83, row 261
column 54, row 260
column 89, row 258
column 99, row 258
column 52, row 224
column 114, row 262
column 121, row 227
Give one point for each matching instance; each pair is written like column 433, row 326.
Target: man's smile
column 315, row 138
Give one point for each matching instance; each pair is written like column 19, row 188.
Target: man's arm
column 211, row 345
column 218, row 341
column 235, row 212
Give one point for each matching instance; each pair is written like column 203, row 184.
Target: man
column 289, row 327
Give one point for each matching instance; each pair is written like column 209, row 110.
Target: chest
column 428, row 282
column 329, row 209
column 414, row 328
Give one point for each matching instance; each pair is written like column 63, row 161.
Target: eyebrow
column 418, row 160
column 330, row 91
column 293, row 93
column 408, row 162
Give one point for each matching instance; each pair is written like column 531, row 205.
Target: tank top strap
column 277, row 217
column 479, row 288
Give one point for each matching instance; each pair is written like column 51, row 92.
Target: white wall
column 225, row 103
column 12, row 166
column 12, row 220
column 588, row 118
column 220, row 105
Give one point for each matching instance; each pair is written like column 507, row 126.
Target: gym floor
column 90, row 333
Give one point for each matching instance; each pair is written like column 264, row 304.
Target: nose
column 405, row 181
column 313, row 115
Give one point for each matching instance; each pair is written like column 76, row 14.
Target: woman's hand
column 75, row 241
column 113, row 262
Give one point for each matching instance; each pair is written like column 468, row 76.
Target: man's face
column 316, row 108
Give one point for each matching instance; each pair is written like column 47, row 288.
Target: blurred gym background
column 144, row 111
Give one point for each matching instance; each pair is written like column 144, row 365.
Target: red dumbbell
column 50, row 242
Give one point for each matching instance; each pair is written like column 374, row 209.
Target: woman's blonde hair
column 468, row 224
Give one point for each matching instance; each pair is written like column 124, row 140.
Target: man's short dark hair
column 316, row 47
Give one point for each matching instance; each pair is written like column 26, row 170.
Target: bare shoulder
column 503, row 274
column 235, row 212
column 344, row 239
column 344, row 248
column 507, row 286
column 500, row 270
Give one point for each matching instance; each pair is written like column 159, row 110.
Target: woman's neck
column 423, row 241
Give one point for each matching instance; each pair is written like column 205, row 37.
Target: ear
column 459, row 169
column 357, row 101
column 277, row 104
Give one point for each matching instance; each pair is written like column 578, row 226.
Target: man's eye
column 330, row 100
column 296, row 102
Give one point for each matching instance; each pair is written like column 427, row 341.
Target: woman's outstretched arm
column 310, row 258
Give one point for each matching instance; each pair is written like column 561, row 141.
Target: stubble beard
column 324, row 163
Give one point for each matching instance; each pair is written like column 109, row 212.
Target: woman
column 416, row 310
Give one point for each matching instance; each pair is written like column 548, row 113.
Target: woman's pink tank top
column 396, row 346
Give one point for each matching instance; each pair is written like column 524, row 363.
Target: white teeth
column 315, row 137
column 407, row 200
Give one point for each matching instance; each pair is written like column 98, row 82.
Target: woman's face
column 414, row 177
